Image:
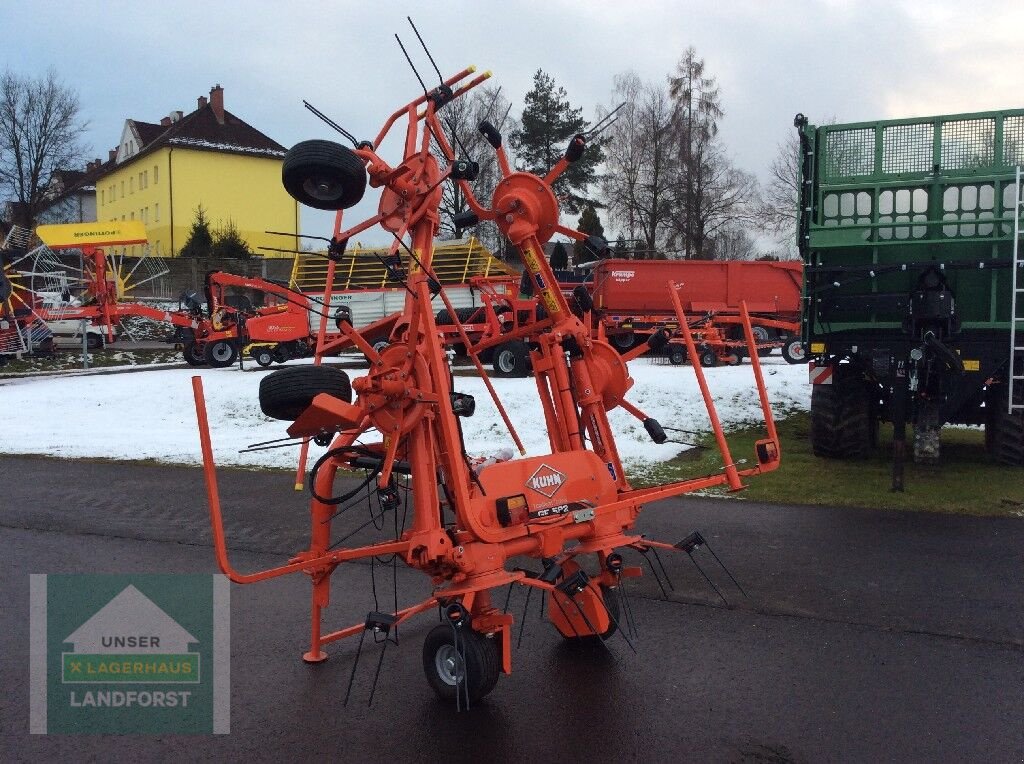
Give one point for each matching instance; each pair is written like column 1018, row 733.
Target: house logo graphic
column 130, row 640
column 122, row 654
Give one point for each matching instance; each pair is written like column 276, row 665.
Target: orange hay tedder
column 468, row 520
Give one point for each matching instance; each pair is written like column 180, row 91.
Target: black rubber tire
column 708, row 358
column 220, row 354
column 324, row 175
column 93, row 342
column 512, row 359
column 286, row 393
column 843, row 424
column 793, row 351
column 623, row 342
column 193, row 354
column 761, row 336
column 444, row 318
column 676, row 355
column 735, row 359
column 482, row 663
column 611, row 601
column 263, row 356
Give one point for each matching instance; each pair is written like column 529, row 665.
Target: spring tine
column 712, row 583
column 654, row 570
column 613, row 619
column 662, row 566
column 376, row 675
column 522, row 623
column 566, row 615
column 727, row 572
column 352, row 674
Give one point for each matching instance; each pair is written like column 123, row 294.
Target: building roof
column 201, row 130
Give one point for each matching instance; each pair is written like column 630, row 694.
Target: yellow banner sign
column 92, row 234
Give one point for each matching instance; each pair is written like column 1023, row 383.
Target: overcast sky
column 848, row 60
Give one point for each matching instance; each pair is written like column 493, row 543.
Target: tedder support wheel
column 220, row 353
column 286, row 393
column 512, row 359
column 676, row 355
column 475, row 661
column 324, row 175
column 193, row 354
column 793, row 351
column 263, row 356
column 843, row 424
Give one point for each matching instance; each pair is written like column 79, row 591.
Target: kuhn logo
column 546, row 480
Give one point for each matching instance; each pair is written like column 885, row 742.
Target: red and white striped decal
column 820, row 375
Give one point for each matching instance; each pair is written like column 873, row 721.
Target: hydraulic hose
column 952, row 360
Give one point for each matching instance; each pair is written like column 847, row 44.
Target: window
column 103, row 196
column 132, row 213
column 122, row 189
column 156, row 213
column 156, row 173
column 131, row 185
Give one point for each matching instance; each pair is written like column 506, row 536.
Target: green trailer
column 909, row 233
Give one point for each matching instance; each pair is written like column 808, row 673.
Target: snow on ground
column 151, row 414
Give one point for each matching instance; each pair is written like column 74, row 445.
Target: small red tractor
column 573, row 510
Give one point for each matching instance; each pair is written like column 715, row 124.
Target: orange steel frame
column 405, row 398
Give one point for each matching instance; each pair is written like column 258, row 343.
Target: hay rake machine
column 572, row 509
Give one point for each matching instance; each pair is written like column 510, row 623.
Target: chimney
column 97, row 163
column 201, row 102
column 217, row 102
column 165, row 121
column 112, row 155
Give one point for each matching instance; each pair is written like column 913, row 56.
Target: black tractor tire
column 676, row 355
column 1009, row 439
column 476, row 670
column 193, row 354
column 611, row 601
column 512, row 359
column 843, row 422
column 263, row 356
column 793, row 350
column 324, row 175
column 220, row 354
column 286, row 393
column 708, row 358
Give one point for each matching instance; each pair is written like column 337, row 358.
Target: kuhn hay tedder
column 572, row 508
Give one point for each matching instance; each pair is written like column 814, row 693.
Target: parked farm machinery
column 572, row 510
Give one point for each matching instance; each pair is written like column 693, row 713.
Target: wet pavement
column 866, row 635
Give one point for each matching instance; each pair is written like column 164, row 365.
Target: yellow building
column 161, row 173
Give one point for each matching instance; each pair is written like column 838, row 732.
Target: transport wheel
column 193, row 354
column 794, row 352
column 324, row 175
column 708, row 358
column 476, row 668
column 220, row 354
column 735, row 359
column 263, row 356
column 676, row 355
column 512, row 359
column 843, row 424
column 624, row 342
column 444, row 318
column 611, row 601
column 286, row 393
column 93, row 342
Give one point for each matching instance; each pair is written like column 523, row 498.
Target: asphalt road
column 867, row 636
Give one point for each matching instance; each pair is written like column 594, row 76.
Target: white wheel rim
column 449, row 665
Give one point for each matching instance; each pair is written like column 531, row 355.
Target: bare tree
column 781, row 194
column 639, row 162
column 463, row 117
column 40, row 133
column 723, row 197
column 734, row 242
column 697, row 111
